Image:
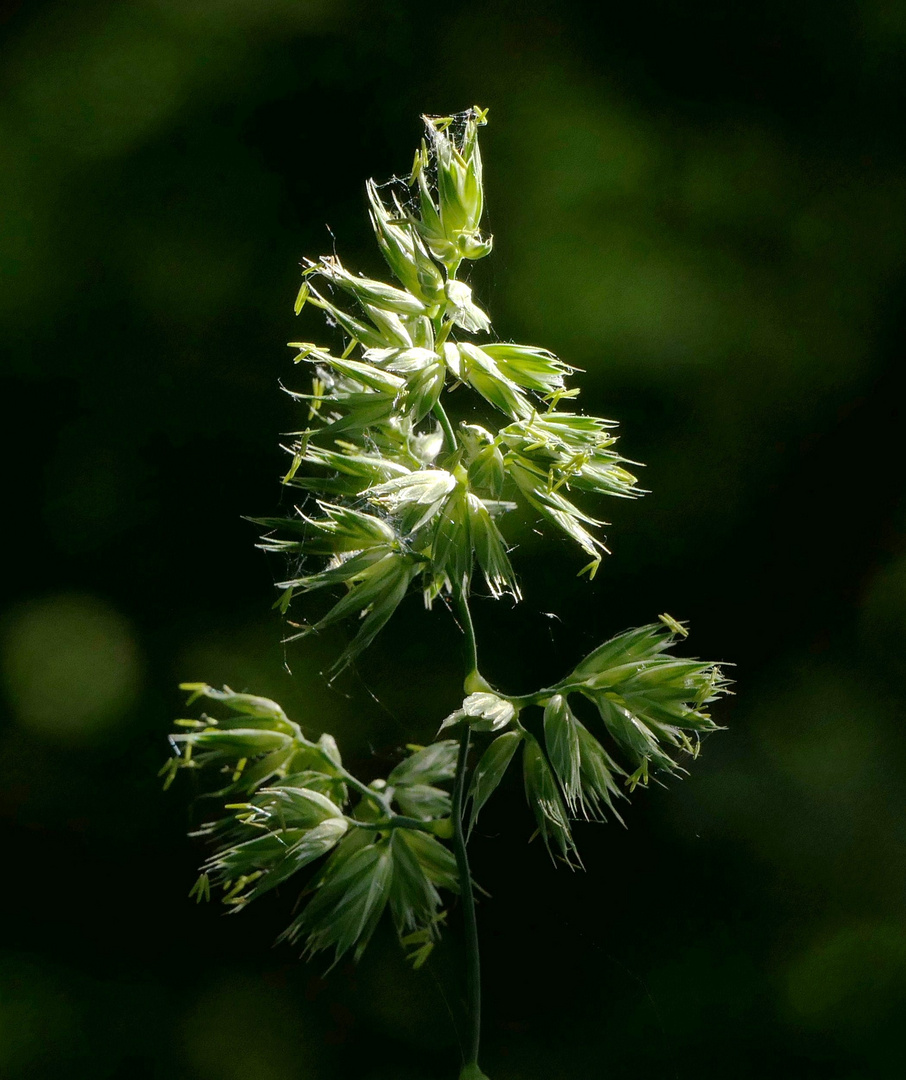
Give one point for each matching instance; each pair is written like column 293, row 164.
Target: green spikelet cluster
column 404, row 499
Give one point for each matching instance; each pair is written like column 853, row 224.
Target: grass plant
column 398, row 495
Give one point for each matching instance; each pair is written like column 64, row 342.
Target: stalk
column 365, row 791
column 441, row 413
column 473, row 960
column 470, row 1070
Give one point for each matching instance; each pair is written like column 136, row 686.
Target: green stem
column 397, row 821
column 442, row 334
column 468, row 628
column 473, row 962
column 441, row 413
column 540, row 697
column 363, row 789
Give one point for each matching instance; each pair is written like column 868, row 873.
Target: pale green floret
column 490, row 770
column 413, row 499
column 422, row 371
column 473, row 366
column 488, row 712
column 528, row 367
column 246, row 704
column 450, row 225
column 487, row 470
column 490, row 549
column 342, row 529
column 598, row 771
column 561, row 738
column 404, row 250
column 378, row 579
column 463, row 310
column 366, row 375
column 543, row 794
column 369, row 293
column 483, row 711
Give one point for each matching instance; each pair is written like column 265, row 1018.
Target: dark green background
column 699, row 203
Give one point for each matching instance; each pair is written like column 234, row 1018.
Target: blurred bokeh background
column 699, row 203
